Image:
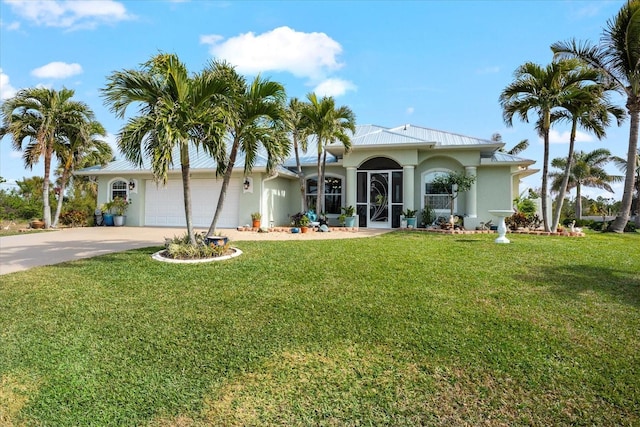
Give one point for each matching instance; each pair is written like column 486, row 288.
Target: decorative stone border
column 288, row 229
column 532, row 232
column 158, row 257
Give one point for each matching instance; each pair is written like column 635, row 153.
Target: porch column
column 351, row 186
column 408, row 187
column 472, row 197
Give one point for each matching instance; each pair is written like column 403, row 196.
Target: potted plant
column 410, row 216
column 36, row 223
column 119, row 207
column 255, row 218
column 348, row 216
column 107, row 216
column 304, row 223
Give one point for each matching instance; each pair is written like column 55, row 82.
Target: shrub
column 74, row 218
column 179, row 247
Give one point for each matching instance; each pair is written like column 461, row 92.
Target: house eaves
column 200, row 161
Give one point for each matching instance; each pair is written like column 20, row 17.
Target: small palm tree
column 587, row 170
column 80, row 145
column 590, row 108
column 618, row 56
column 35, row 118
column 542, row 89
column 327, row 124
column 175, row 111
column 252, row 115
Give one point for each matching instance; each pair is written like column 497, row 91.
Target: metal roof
column 199, row 160
column 365, row 136
column 369, row 135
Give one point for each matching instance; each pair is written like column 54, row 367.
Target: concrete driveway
column 24, row 251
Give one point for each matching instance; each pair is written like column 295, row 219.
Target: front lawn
column 400, row 329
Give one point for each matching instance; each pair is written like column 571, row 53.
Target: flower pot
column 256, row 223
column 119, row 220
column 304, row 229
column 216, row 240
column 350, row 221
column 411, row 222
column 107, row 219
column 37, row 224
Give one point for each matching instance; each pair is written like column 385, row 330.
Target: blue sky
column 437, row 64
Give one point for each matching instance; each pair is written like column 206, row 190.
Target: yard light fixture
column 132, row 184
column 247, row 184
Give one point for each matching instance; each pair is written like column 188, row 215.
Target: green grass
column 400, row 329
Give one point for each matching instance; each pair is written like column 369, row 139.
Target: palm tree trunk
column 319, row 186
column 63, row 184
column 627, row 196
column 185, row 164
column 303, row 201
column 545, row 172
column 225, row 184
column 565, row 178
column 324, row 171
column 46, row 214
column 578, row 200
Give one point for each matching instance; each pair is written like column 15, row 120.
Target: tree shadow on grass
column 573, row 280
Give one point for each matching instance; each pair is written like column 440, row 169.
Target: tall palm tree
column 587, row 170
column 542, row 89
column 35, row 117
column 618, row 56
column 175, row 111
column 587, row 107
column 298, row 130
column 81, row 144
column 253, row 115
column 327, row 124
column 622, row 165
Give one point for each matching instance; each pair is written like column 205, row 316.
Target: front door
column 379, row 200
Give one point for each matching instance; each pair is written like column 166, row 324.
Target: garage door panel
column 164, row 206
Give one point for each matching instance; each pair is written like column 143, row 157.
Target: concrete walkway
column 24, row 251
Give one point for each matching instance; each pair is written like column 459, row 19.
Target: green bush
column 74, row 218
column 179, row 247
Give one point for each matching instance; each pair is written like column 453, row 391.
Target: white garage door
column 164, row 206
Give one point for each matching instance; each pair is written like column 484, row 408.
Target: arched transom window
column 118, row 189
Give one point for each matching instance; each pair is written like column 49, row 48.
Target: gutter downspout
column 274, row 176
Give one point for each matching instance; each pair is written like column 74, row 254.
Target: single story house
column 386, row 171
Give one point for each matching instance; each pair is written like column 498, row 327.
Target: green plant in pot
column 255, row 218
column 119, row 207
column 410, row 216
column 347, row 218
column 107, row 215
column 304, row 223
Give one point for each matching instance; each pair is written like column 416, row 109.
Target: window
column 436, row 200
column 118, row 189
column 332, row 194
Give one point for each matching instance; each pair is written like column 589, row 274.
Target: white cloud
column 309, row 55
column 57, row 70
column 410, row 110
column 334, row 87
column 14, row 26
column 556, row 137
column 70, row 13
column 488, row 70
column 6, row 90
